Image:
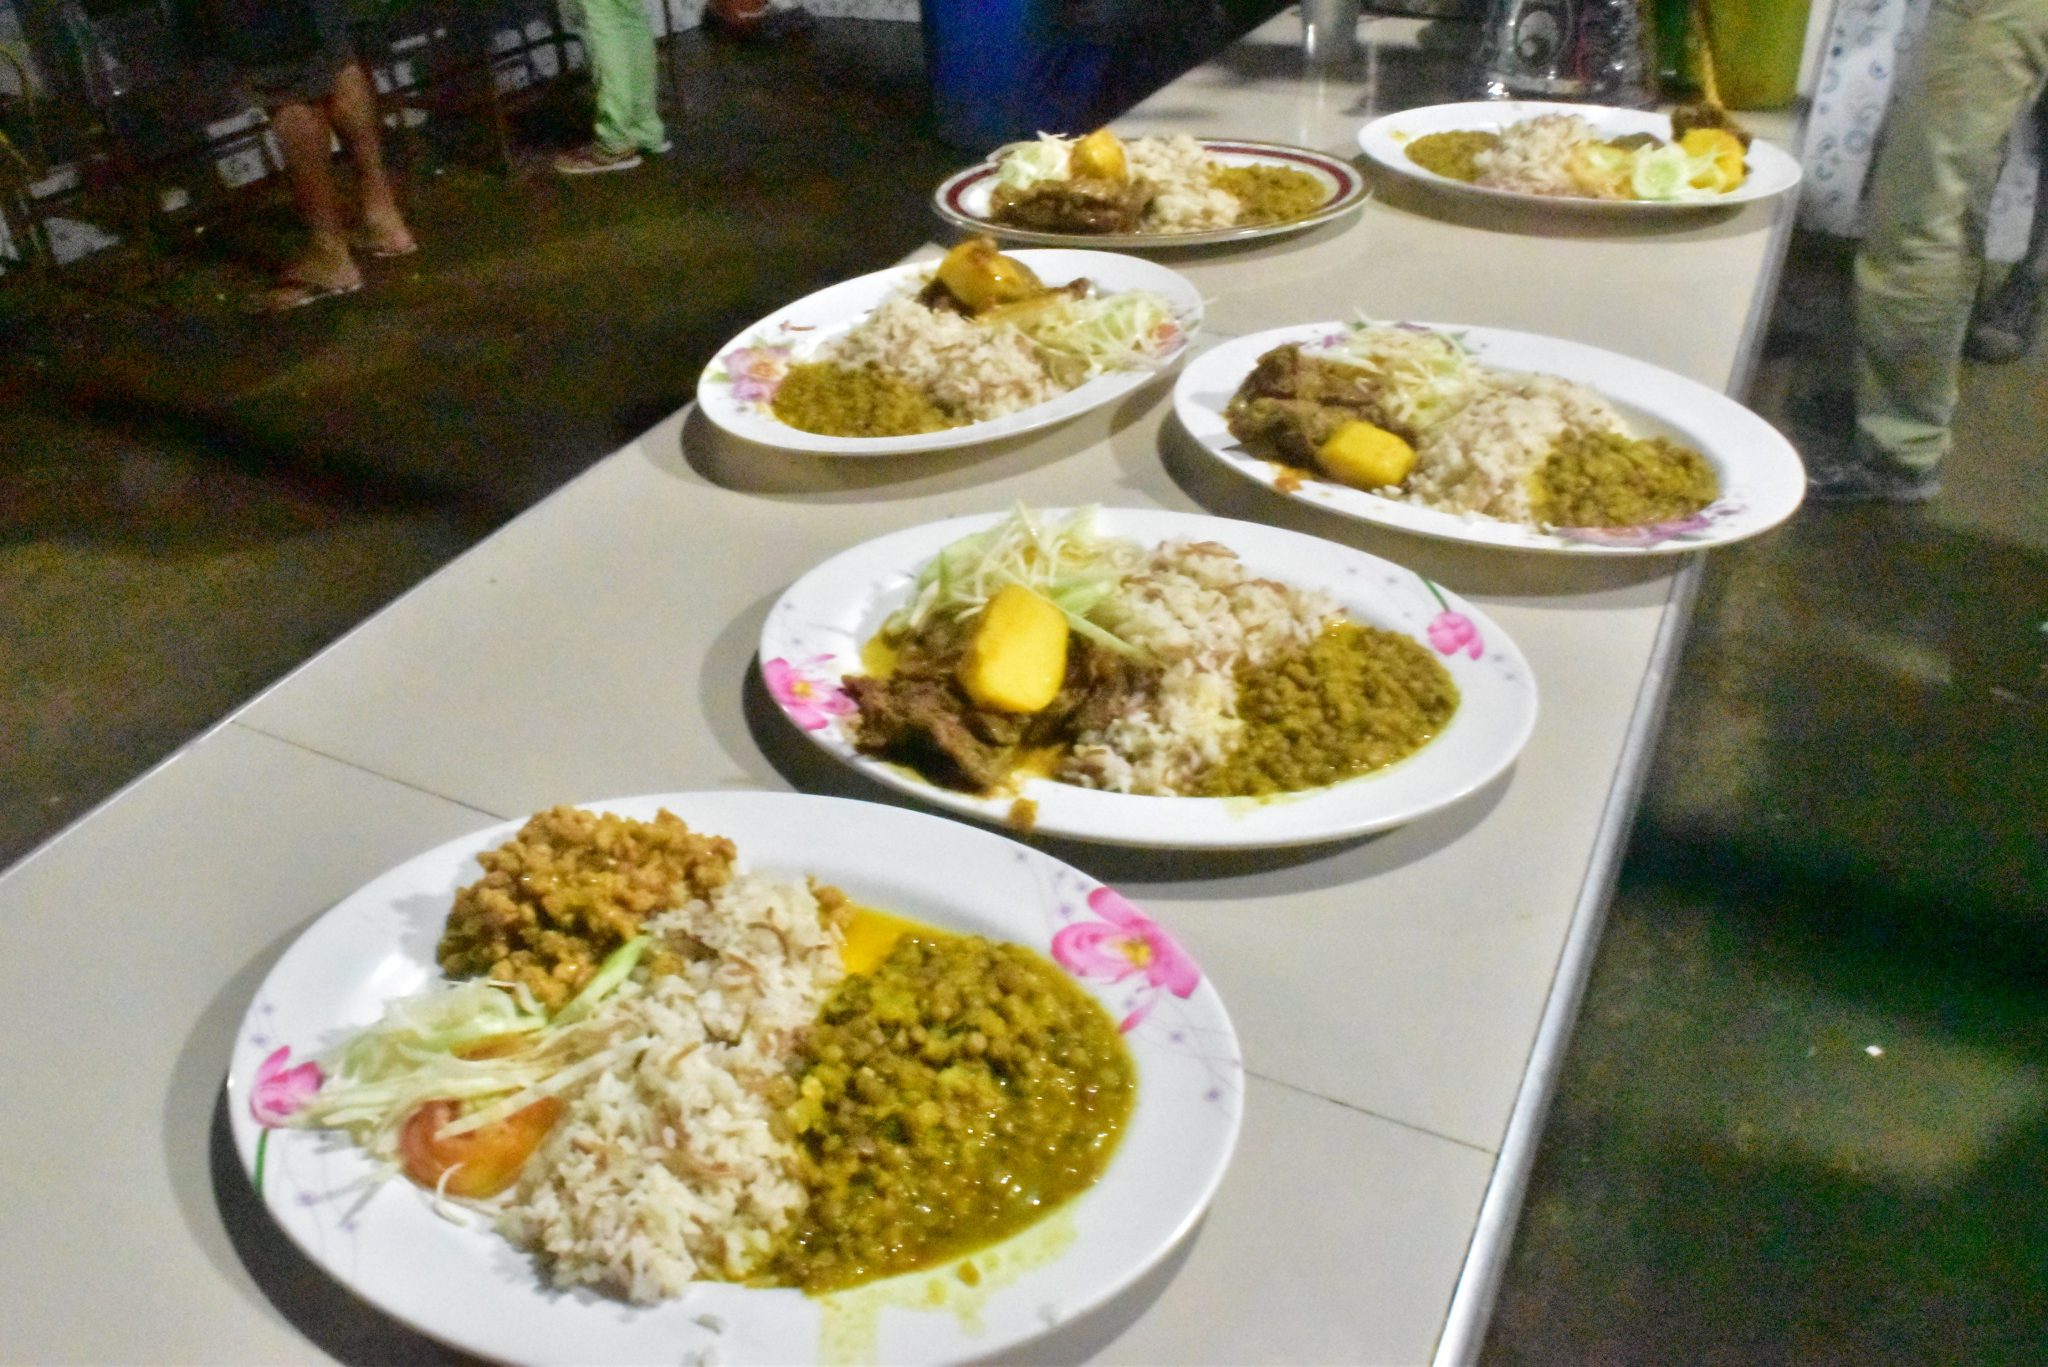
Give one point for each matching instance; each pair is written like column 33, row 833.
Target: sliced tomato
column 479, row 1162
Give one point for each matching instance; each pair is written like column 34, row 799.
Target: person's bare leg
column 353, row 108
column 307, row 142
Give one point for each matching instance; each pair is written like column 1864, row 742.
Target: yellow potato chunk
column 1099, row 156
column 1364, row 456
column 1017, row 657
column 981, row 277
column 1726, row 150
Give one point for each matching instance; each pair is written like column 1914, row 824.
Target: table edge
column 1493, row 1234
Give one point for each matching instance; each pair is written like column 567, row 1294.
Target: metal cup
column 1329, row 31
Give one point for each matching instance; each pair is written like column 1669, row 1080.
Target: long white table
column 1403, row 1001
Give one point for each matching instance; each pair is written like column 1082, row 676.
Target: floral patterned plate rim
column 814, row 634
column 962, row 199
column 735, row 389
column 468, row 1287
column 1772, row 170
column 1762, row 480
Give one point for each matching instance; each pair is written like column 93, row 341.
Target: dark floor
column 1806, row 1111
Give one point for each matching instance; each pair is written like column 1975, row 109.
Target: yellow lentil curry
column 1605, row 479
column 855, row 401
column 1453, row 155
column 946, row 1099
column 1270, row 194
column 1358, row 699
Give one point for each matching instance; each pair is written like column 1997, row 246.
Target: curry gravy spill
column 850, row 1322
column 871, row 934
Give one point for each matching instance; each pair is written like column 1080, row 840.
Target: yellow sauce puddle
column 850, row 1322
column 870, row 935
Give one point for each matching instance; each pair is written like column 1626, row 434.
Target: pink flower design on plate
column 810, row 700
column 1451, row 632
column 755, row 371
column 1125, row 942
column 281, row 1092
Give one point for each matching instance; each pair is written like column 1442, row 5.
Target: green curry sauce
column 947, row 1099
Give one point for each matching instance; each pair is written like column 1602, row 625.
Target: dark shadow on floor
column 1805, row 1108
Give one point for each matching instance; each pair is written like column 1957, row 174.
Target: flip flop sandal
column 288, row 295
column 370, row 247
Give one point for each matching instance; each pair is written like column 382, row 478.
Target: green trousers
column 619, row 43
column 1981, row 63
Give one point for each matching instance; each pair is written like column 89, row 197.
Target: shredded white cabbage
column 1029, row 163
column 1425, row 376
column 1065, row 561
column 1105, row 332
column 415, row 1052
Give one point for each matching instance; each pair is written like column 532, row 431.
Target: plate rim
column 707, row 398
column 1783, row 166
column 1222, row 1048
column 1353, row 192
column 993, row 811
column 1511, row 537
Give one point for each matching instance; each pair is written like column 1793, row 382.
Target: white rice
column 1483, row 458
column 667, row 1169
column 1178, row 170
column 1534, row 156
column 974, row 370
column 1195, row 608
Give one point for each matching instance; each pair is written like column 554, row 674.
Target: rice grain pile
column 1534, row 156
column 971, row 369
column 1187, row 200
column 1483, row 457
column 667, row 1167
column 1197, row 610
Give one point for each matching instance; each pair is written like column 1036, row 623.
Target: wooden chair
column 443, row 62
column 23, row 162
column 154, row 128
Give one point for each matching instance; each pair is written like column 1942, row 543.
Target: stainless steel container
column 1329, row 31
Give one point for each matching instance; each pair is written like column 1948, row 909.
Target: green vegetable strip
column 618, row 965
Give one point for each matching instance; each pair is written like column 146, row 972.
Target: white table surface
column 1389, row 992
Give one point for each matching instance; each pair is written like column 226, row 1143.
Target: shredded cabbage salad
column 1105, row 332
column 474, row 1042
column 1066, row 561
column 1426, row 375
column 1030, row 163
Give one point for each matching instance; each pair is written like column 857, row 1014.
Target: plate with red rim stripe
column 962, row 199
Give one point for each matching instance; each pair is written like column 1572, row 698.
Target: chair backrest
column 126, row 48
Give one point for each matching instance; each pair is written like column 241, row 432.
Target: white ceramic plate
column 468, row 1287
column 962, row 199
column 1762, row 480
column 1772, row 170
column 794, row 333
column 813, row 638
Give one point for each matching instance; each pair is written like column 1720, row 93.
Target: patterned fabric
column 1870, row 43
